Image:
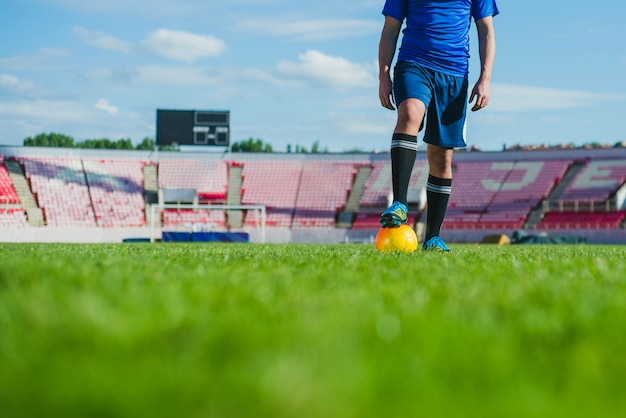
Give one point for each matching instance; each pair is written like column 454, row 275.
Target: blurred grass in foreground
column 234, row 330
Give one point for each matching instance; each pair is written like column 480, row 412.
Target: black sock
column 403, row 152
column 437, row 192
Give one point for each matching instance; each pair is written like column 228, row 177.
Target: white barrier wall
column 279, row 235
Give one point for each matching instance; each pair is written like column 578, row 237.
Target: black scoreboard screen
column 193, row 127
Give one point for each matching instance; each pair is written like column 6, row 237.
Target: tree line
column 59, row 140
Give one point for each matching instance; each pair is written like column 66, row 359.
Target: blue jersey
column 437, row 31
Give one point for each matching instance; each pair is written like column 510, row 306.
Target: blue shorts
column 445, row 98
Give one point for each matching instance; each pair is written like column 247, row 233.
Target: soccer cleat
column 435, row 244
column 394, row 216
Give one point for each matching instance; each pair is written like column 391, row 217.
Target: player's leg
column 445, row 130
column 412, row 93
column 403, row 152
column 438, row 189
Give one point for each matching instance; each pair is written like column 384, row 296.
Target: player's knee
column 410, row 114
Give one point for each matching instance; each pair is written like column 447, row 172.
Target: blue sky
column 294, row 72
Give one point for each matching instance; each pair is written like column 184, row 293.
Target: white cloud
column 175, row 45
column 328, row 71
column 518, row 98
column 22, row 118
column 45, row 110
column 32, row 61
column 183, row 46
column 184, row 76
column 11, row 82
column 103, row 41
column 104, row 105
column 311, row 30
column 13, row 87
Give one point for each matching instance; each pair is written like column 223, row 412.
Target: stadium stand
column 582, row 220
column 208, row 177
column 273, row 184
column 474, row 187
column 116, row 189
column 308, row 195
column 8, row 195
column 375, row 198
column 194, row 220
column 61, row 189
column 377, row 186
column 595, row 182
column 13, row 217
column 324, row 189
column 525, row 186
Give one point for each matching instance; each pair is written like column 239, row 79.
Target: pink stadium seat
column 308, row 192
column 117, row 193
column 596, row 181
column 208, row 177
column 194, row 219
column 364, row 220
column 378, row 185
column 526, row 184
column 474, row 186
column 7, row 190
column 61, row 190
column 582, row 220
column 13, row 217
column 273, row 184
column 499, row 194
column 324, row 190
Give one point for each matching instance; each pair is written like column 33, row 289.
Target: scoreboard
column 193, row 127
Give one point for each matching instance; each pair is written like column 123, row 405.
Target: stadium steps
column 33, row 212
column 151, row 191
column 346, row 217
column 567, row 179
column 234, row 218
column 537, row 214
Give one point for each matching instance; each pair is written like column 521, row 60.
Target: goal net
column 192, row 217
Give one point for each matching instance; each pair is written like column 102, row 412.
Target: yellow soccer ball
column 401, row 239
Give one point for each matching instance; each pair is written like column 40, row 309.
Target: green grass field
column 245, row 330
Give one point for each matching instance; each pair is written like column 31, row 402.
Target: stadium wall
column 278, row 235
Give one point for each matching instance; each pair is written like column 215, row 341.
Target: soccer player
column 430, row 82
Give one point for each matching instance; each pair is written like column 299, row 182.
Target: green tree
column 49, row 140
column 105, row 143
column 251, row 145
column 315, row 148
column 124, row 143
column 355, row 151
column 146, row 144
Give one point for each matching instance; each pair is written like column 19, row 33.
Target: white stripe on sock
column 404, row 144
column 438, row 189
